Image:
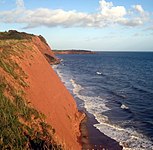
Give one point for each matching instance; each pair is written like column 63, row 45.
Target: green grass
column 21, row 126
column 33, row 131
column 8, row 64
column 11, row 135
column 42, row 39
column 13, row 34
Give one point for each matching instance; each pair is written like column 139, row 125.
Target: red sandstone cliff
column 49, row 95
column 44, row 91
column 44, row 48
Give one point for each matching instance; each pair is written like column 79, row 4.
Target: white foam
column 128, row 138
column 92, row 104
column 59, row 74
column 64, row 78
column 54, row 66
column 99, row 73
column 123, row 106
column 76, row 88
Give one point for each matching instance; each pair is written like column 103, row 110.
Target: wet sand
column 99, row 140
column 92, row 138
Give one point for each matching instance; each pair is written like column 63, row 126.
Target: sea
column 117, row 89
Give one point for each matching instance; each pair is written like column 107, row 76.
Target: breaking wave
column 127, row 137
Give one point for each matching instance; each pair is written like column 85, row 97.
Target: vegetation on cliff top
column 42, row 39
column 21, row 126
column 13, row 34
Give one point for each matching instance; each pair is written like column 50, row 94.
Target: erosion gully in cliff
column 36, row 110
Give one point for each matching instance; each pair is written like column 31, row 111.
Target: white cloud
column 139, row 9
column 20, row 3
column 108, row 15
column 107, row 9
column 137, row 21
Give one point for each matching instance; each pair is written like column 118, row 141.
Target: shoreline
column 91, row 137
column 88, row 95
column 84, row 138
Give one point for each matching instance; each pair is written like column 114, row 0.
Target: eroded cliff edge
column 36, row 108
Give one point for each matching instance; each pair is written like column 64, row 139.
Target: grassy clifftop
column 13, row 34
column 19, row 36
column 21, row 125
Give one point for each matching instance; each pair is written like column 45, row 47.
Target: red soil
column 44, row 49
column 47, row 94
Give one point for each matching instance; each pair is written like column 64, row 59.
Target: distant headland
column 73, row 51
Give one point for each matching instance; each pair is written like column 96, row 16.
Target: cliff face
column 44, row 48
column 24, row 68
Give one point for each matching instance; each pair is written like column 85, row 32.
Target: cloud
column 137, row 21
column 108, row 10
column 149, row 28
column 53, row 18
column 20, row 3
column 107, row 15
column 139, row 9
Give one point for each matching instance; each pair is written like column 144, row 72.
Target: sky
column 99, row 25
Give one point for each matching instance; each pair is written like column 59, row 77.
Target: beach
column 91, row 138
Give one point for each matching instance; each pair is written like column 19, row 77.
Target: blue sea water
column 117, row 88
